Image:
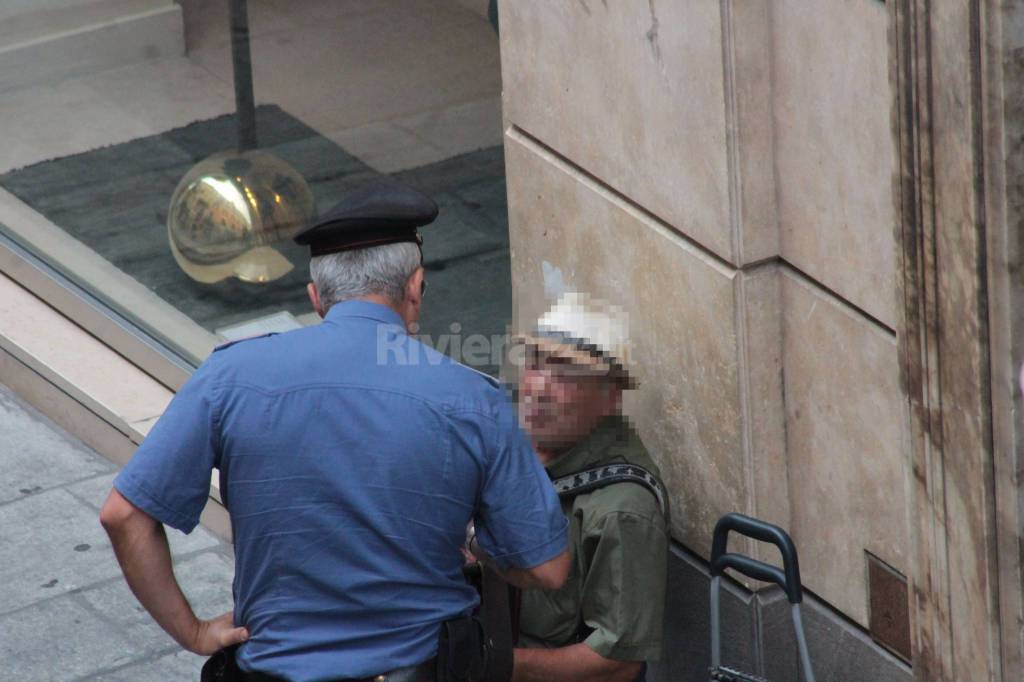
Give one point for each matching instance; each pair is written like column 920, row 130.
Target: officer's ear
column 414, row 288
column 314, row 298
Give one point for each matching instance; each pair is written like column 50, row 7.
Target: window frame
column 89, row 312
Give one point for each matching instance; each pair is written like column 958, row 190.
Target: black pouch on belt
column 499, row 625
column 461, row 653
column 221, row 667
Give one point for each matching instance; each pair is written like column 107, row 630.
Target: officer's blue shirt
column 351, row 458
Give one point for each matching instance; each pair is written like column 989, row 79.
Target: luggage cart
column 788, row 580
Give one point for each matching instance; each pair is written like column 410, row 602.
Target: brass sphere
column 229, row 209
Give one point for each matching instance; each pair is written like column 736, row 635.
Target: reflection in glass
column 229, row 210
column 344, row 93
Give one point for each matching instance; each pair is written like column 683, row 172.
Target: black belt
column 222, row 668
column 424, row 672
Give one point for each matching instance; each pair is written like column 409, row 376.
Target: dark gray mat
column 115, row 201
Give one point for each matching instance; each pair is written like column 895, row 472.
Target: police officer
column 351, row 458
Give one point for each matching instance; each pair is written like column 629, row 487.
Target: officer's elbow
column 117, row 512
column 551, row 574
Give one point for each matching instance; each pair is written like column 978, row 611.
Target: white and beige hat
column 594, row 334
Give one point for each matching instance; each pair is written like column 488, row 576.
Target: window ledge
column 81, row 383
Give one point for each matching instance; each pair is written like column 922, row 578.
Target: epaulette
column 491, row 380
column 242, row 340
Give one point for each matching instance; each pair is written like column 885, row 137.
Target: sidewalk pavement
column 65, row 611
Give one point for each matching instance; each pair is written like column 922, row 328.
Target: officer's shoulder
column 235, row 342
column 475, row 376
column 466, row 389
column 437, row 366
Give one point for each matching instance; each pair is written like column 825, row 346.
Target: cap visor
column 580, row 357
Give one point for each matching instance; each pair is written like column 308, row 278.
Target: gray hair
column 380, row 270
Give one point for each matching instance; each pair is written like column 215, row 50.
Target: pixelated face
column 559, row 401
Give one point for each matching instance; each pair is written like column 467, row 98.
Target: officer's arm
column 570, row 663
column 141, row 547
column 549, row 575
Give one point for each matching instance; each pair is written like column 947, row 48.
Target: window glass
column 147, row 163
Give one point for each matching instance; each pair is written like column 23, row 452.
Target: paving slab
column 180, row 665
column 93, row 492
column 37, row 458
column 65, row 611
column 52, row 543
column 205, row 580
column 61, row 639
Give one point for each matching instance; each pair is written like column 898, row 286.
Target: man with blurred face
column 606, row 621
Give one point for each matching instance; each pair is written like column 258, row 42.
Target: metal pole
column 241, row 57
column 801, row 642
column 716, row 634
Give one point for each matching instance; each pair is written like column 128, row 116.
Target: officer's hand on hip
column 217, row 633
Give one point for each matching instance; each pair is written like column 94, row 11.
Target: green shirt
column 614, row 596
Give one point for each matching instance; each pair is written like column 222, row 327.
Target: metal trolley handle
column 787, row 578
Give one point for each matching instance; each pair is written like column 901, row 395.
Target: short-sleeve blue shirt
column 351, row 458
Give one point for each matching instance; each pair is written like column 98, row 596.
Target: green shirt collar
column 592, row 450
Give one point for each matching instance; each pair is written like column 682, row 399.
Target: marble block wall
column 724, row 171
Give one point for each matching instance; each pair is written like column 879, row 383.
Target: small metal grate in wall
column 889, row 607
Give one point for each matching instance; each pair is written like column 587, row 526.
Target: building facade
column 812, row 212
column 808, row 210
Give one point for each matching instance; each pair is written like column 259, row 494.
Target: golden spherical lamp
column 228, row 212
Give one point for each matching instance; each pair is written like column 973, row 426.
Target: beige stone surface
column 458, row 129
column 206, row 23
column 94, row 271
column 107, row 107
column 27, row 21
column 47, row 47
column 845, row 430
column 37, row 389
column 405, row 83
column 161, row 94
column 382, row 145
column 366, row 62
column 79, row 364
column 12, row 8
column 748, row 87
column 633, row 93
column 83, row 385
column 416, row 140
column 569, row 233
column 141, row 429
column 834, row 153
column 759, row 298
column 346, row 68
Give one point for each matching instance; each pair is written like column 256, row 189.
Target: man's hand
column 217, row 633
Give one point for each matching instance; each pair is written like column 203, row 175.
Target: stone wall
column 725, row 171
